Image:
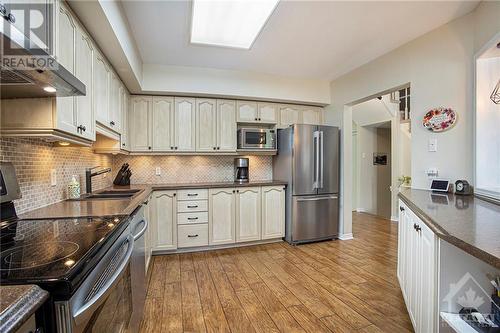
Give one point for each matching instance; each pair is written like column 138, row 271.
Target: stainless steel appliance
column 138, row 227
column 308, row 159
column 241, row 170
column 19, row 80
column 256, row 138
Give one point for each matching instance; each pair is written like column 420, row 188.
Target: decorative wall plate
column 440, row 119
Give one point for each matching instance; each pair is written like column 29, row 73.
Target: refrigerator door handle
column 321, row 159
column 316, row 159
column 317, row 199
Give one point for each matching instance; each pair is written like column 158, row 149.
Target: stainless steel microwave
column 256, row 138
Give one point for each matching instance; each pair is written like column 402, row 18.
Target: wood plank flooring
column 335, row 286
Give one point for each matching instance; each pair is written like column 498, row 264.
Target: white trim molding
column 394, row 218
column 346, row 236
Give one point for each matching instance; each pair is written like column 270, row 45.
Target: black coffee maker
column 241, row 170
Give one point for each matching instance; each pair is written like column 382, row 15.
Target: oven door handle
column 81, row 314
column 143, row 230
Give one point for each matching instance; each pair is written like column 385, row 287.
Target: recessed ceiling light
column 229, row 23
column 50, row 89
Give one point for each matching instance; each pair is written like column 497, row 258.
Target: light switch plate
column 433, row 145
column 158, row 171
column 53, row 177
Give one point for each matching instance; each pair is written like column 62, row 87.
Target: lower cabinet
column 417, row 269
column 273, row 212
column 221, row 216
column 147, row 238
column 248, row 214
column 163, row 220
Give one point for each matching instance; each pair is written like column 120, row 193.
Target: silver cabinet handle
column 317, row 199
column 192, row 206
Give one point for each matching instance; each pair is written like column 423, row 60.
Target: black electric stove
column 55, row 254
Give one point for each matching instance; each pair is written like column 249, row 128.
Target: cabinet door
column 311, row 115
column 184, row 124
column 147, row 234
column 101, row 89
column 66, row 35
column 221, row 216
column 413, row 276
column 114, row 103
column 140, row 123
column 125, row 102
column 163, row 115
column 428, row 280
column 402, row 244
column 268, row 113
column 247, row 112
column 273, row 212
column 248, row 214
column 289, row 115
column 164, row 220
column 226, row 125
column 206, row 115
column 83, row 71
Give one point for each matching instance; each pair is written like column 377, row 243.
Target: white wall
column 439, row 66
column 234, row 84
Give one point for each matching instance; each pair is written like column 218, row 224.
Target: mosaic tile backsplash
column 34, row 159
column 191, row 169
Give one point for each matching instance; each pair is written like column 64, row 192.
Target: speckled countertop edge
column 443, row 234
column 23, row 301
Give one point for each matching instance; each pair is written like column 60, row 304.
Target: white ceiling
column 304, row 39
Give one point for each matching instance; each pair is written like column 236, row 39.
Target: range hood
column 25, row 82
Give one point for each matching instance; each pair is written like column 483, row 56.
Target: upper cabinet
column 206, row 124
column 140, row 117
column 101, row 88
column 257, row 112
column 163, row 123
column 184, row 120
column 298, row 114
column 226, row 125
column 115, row 112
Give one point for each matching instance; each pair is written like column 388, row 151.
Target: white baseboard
column 394, row 218
column 361, row 210
column 346, row 236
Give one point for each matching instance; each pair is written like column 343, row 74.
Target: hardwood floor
column 335, row 286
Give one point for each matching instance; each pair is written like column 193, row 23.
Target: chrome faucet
column 89, row 174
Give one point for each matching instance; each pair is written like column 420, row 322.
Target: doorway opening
column 381, row 152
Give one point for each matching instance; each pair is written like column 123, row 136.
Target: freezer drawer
column 314, row 217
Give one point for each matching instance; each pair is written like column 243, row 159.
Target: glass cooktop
column 34, row 251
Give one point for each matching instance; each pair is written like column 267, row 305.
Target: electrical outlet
column 158, row 171
column 53, row 177
column 433, row 145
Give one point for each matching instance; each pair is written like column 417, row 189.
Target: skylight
column 229, row 23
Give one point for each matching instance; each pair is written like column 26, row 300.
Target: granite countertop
column 467, row 222
column 100, row 207
column 18, row 303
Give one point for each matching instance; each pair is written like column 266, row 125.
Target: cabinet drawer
column 196, row 194
column 192, row 218
column 189, row 235
column 192, row 206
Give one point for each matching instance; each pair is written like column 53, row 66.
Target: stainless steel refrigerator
column 308, row 159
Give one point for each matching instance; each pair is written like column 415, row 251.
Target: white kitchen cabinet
column 226, row 125
column 148, row 246
column 206, row 124
column 268, row 112
column 184, row 124
column 417, row 269
column 290, row 114
column 66, row 36
column 221, row 216
column 312, row 115
column 162, row 123
column 125, row 104
column 83, row 71
column 101, row 88
column 273, row 212
column 115, row 111
column 248, row 214
column 140, row 117
column 247, row 112
column 163, row 220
